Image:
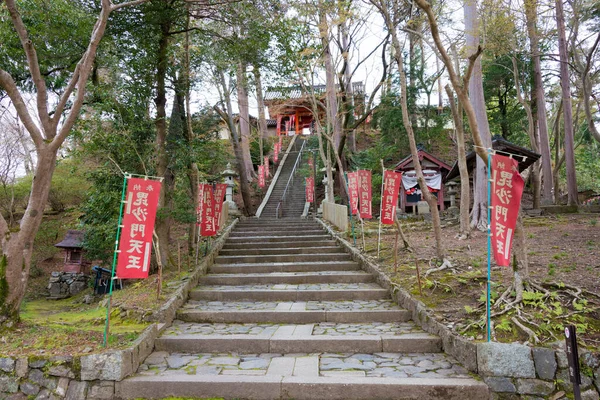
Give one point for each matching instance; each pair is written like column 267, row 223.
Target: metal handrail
column 279, row 210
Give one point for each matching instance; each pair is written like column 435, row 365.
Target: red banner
column 389, row 198
column 200, row 202
column 507, row 189
column 266, row 164
column 261, row 176
column 310, row 190
column 364, row 193
column 135, row 243
column 280, row 141
column 353, row 189
column 219, row 195
column 276, row 151
column 209, row 225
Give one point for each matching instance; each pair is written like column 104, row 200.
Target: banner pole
column 114, row 263
column 380, row 207
column 489, row 246
column 350, row 209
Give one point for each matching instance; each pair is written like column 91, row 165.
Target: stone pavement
column 285, row 314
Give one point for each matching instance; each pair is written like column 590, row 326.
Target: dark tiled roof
column 271, row 123
column 422, row 154
column 73, row 240
column 297, row 92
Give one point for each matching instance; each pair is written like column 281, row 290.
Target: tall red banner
column 353, row 189
column 266, row 164
column 507, row 189
column 310, row 190
column 280, row 142
column 219, row 195
column 200, row 202
column 389, row 197
column 276, row 151
column 209, row 224
column 364, row 194
column 135, row 243
column 261, row 176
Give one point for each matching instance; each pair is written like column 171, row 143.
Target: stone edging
column 93, row 376
column 509, row 369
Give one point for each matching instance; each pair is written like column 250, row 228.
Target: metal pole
column 380, row 208
column 114, row 264
column 314, row 157
column 350, row 210
column 489, row 246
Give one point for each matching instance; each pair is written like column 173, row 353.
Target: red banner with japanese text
column 220, row 189
column 364, row 194
column 280, row 142
column 209, row 224
column 276, row 152
column 310, row 190
column 507, row 189
column 389, row 197
column 200, row 202
column 139, row 214
column 353, row 189
column 261, row 176
column 266, row 164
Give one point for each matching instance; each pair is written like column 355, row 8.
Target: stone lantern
column 228, row 177
column 452, row 193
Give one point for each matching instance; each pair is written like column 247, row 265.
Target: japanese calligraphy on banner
column 353, row 189
column 135, row 243
column 507, row 189
column 261, row 176
column 276, row 151
column 389, row 198
column 266, row 163
column 280, row 141
column 310, row 190
column 200, row 202
column 208, row 227
column 219, row 194
column 364, row 193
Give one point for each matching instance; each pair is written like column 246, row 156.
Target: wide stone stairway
column 286, row 314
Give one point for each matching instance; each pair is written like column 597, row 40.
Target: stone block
column 545, row 363
column 590, row 395
column 500, row 384
column 561, row 358
column 37, row 363
column 590, row 359
column 101, row 391
column 112, row 366
column 7, row 364
column 535, row 387
column 30, row 389
column 63, row 385
column 76, row 391
column 461, row 349
column 21, row 368
column 16, row 396
column 46, row 394
column 8, row 384
column 501, row 359
column 61, row 370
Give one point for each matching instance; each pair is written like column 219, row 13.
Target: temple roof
column 298, row 92
column 406, row 162
column 73, row 240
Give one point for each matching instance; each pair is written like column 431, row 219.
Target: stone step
column 284, row 292
column 284, row 232
column 289, row 278
column 257, row 268
column 283, row 227
column 339, row 376
column 276, row 223
column 293, row 312
column 274, row 258
column 281, row 250
column 277, row 245
column 186, row 337
column 268, row 238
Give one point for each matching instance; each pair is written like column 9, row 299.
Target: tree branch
column 115, row 7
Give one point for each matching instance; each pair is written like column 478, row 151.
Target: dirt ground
column 564, row 254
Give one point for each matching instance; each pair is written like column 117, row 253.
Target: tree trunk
column 479, row 212
column 465, row 187
column 163, row 223
column 539, row 98
column 567, row 109
column 237, row 148
column 244, row 121
column 262, row 121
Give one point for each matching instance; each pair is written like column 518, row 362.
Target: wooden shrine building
column 434, row 170
column 72, row 246
column 291, row 107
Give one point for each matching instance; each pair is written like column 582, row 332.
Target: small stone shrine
column 74, row 276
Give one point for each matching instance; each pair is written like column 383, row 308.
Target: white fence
column 337, row 214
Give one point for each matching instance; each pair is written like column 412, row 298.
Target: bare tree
column 54, row 127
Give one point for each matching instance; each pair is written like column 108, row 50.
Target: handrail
column 279, row 209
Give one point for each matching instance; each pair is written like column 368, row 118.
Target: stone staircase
column 285, row 314
column 295, row 199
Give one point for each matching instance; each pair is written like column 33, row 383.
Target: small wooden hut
column 434, row 170
column 72, row 245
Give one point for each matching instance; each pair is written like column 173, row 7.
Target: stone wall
column 511, row 370
column 93, row 376
column 66, row 284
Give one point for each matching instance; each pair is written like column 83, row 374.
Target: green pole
column 114, row 264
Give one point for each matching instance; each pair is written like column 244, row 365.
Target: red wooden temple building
column 292, row 110
column 434, row 170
